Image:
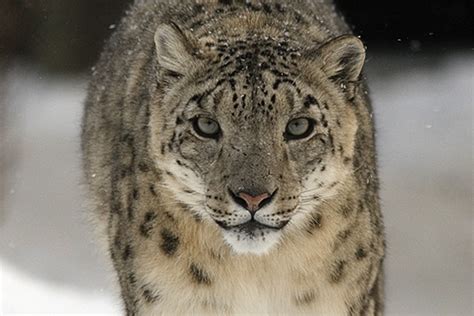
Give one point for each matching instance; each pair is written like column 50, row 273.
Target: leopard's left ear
column 343, row 58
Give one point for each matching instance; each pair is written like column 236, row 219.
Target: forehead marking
column 310, row 100
column 251, row 58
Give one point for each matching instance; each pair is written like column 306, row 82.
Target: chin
column 258, row 242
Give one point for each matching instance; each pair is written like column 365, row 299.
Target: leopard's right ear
column 343, row 58
column 174, row 50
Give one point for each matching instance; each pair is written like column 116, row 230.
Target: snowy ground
column 49, row 265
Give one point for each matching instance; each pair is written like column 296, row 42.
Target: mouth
column 251, row 226
column 252, row 237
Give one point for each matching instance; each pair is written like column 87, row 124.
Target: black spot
column 365, row 305
column 346, row 210
column 220, row 81
column 135, row 194
column 127, row 253
column 360, row 208
column 264, row 66
column 352, row 310
column 148, row 224
column 116, row 207
column 331, row 141
column 169, row 216
column 267, row 8
column 132, row 279
column 198, row 275
column 360, row 253
column 215, row 255
column 130, row 212
column 152, row 189
column 117, row 241
column 276, row 84
column 332, row 185
column 343, row 235
column 273, row 99
column 280, row 8
column 150, row 296
column 127, row 138
column 341, row 238
column 314, row 222
column 278, row 73
column 305, row 298
column 309, row 100
column 125, row 171
column 232, row 83
column 143, row 167
column 197, row 218
column 337, row 271
column 130, row 310
column 170, row 242
column 196, row 98
column 172, row 74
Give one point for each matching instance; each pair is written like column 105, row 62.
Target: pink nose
column 253, row 202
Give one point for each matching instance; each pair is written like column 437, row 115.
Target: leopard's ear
column 343, row 58
column 174, row 50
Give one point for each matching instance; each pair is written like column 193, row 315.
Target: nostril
column 265, row 201
column 238, row 200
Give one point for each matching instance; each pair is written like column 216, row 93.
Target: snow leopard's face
column 255, row 137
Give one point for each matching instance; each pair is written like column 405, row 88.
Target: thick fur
column 161, row 191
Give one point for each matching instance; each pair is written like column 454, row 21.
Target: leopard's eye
column 299, row 128
column 206, row 127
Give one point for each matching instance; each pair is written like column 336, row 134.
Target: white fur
column 243, row 243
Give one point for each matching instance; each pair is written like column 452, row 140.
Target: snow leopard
column 228, row 149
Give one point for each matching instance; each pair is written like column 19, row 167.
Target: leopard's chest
column 266, row 295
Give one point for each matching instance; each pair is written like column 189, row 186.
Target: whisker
column 177, row 203
column 187, row 188
column 320, row 199
column 309, row 190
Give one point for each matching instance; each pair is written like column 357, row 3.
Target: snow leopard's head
column 253, row 133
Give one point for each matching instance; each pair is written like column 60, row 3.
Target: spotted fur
column 163, row 194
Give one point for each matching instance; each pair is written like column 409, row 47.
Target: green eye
column 299, row 128
column 206, row 127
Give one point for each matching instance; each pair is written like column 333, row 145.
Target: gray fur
column 159, row 189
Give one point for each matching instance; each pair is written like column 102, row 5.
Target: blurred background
column 420, row 69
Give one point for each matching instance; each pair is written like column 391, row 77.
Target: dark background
column 67, row 36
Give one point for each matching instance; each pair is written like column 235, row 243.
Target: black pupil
column 206, row 127
column 209, row 126
column 297, row 125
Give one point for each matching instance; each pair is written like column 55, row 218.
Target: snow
column 423, row 108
